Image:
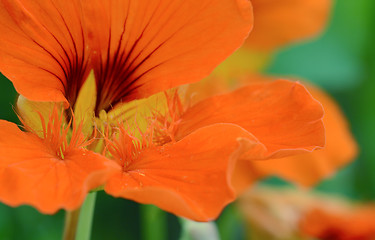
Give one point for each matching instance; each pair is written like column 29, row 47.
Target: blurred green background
column 341, row 61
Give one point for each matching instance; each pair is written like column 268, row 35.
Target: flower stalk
column 71, row 223
column 78, row 223
column 154, row 222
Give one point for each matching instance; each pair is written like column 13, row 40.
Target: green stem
column 78, row 222
column 71, row 221
column 86, row 217
column 154, row 223
column 229, row 223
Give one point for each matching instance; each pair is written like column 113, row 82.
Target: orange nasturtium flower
column 89, row 74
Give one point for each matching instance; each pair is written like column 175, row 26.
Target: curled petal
column 146, row 46
column 245, row 176
column 31, row 173
column 307, row 169
column 191, row 177
column 281, row 22
column 282, row 115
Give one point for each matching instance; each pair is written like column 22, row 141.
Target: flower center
column 125, row 140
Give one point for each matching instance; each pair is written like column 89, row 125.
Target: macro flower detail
column 46, row 169
column 97, row 58
column 106, row 66
column 136, row 48
column 207, row 137
column 178, row 173
column 149, row 47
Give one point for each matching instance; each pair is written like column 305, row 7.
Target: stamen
column 61, row 137
column 123, row 147
column 166, row 124
column 124, row 143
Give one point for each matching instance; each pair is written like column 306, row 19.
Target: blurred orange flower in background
column 277, row 213
column 355, row 223
column 278, row 23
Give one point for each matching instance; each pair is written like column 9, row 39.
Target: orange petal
column 30, row 173
column 42, row 48
column 281, row 22
column 356, row 224
column 245, row 176
column 189, row 178
column 282, row 115
column 309, row 168
column 144, row 46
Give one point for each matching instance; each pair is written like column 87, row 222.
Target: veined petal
column 307, row 169
column 282, row 115
column 281, row 22
column 31, row 173
column 147, row 46
column 42, row 48
column 191, row 177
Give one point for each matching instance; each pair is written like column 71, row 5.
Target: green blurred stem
column 78, row 223
column 229, row 223
column 86, row 217
column 71, row 221
column 154, row 223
